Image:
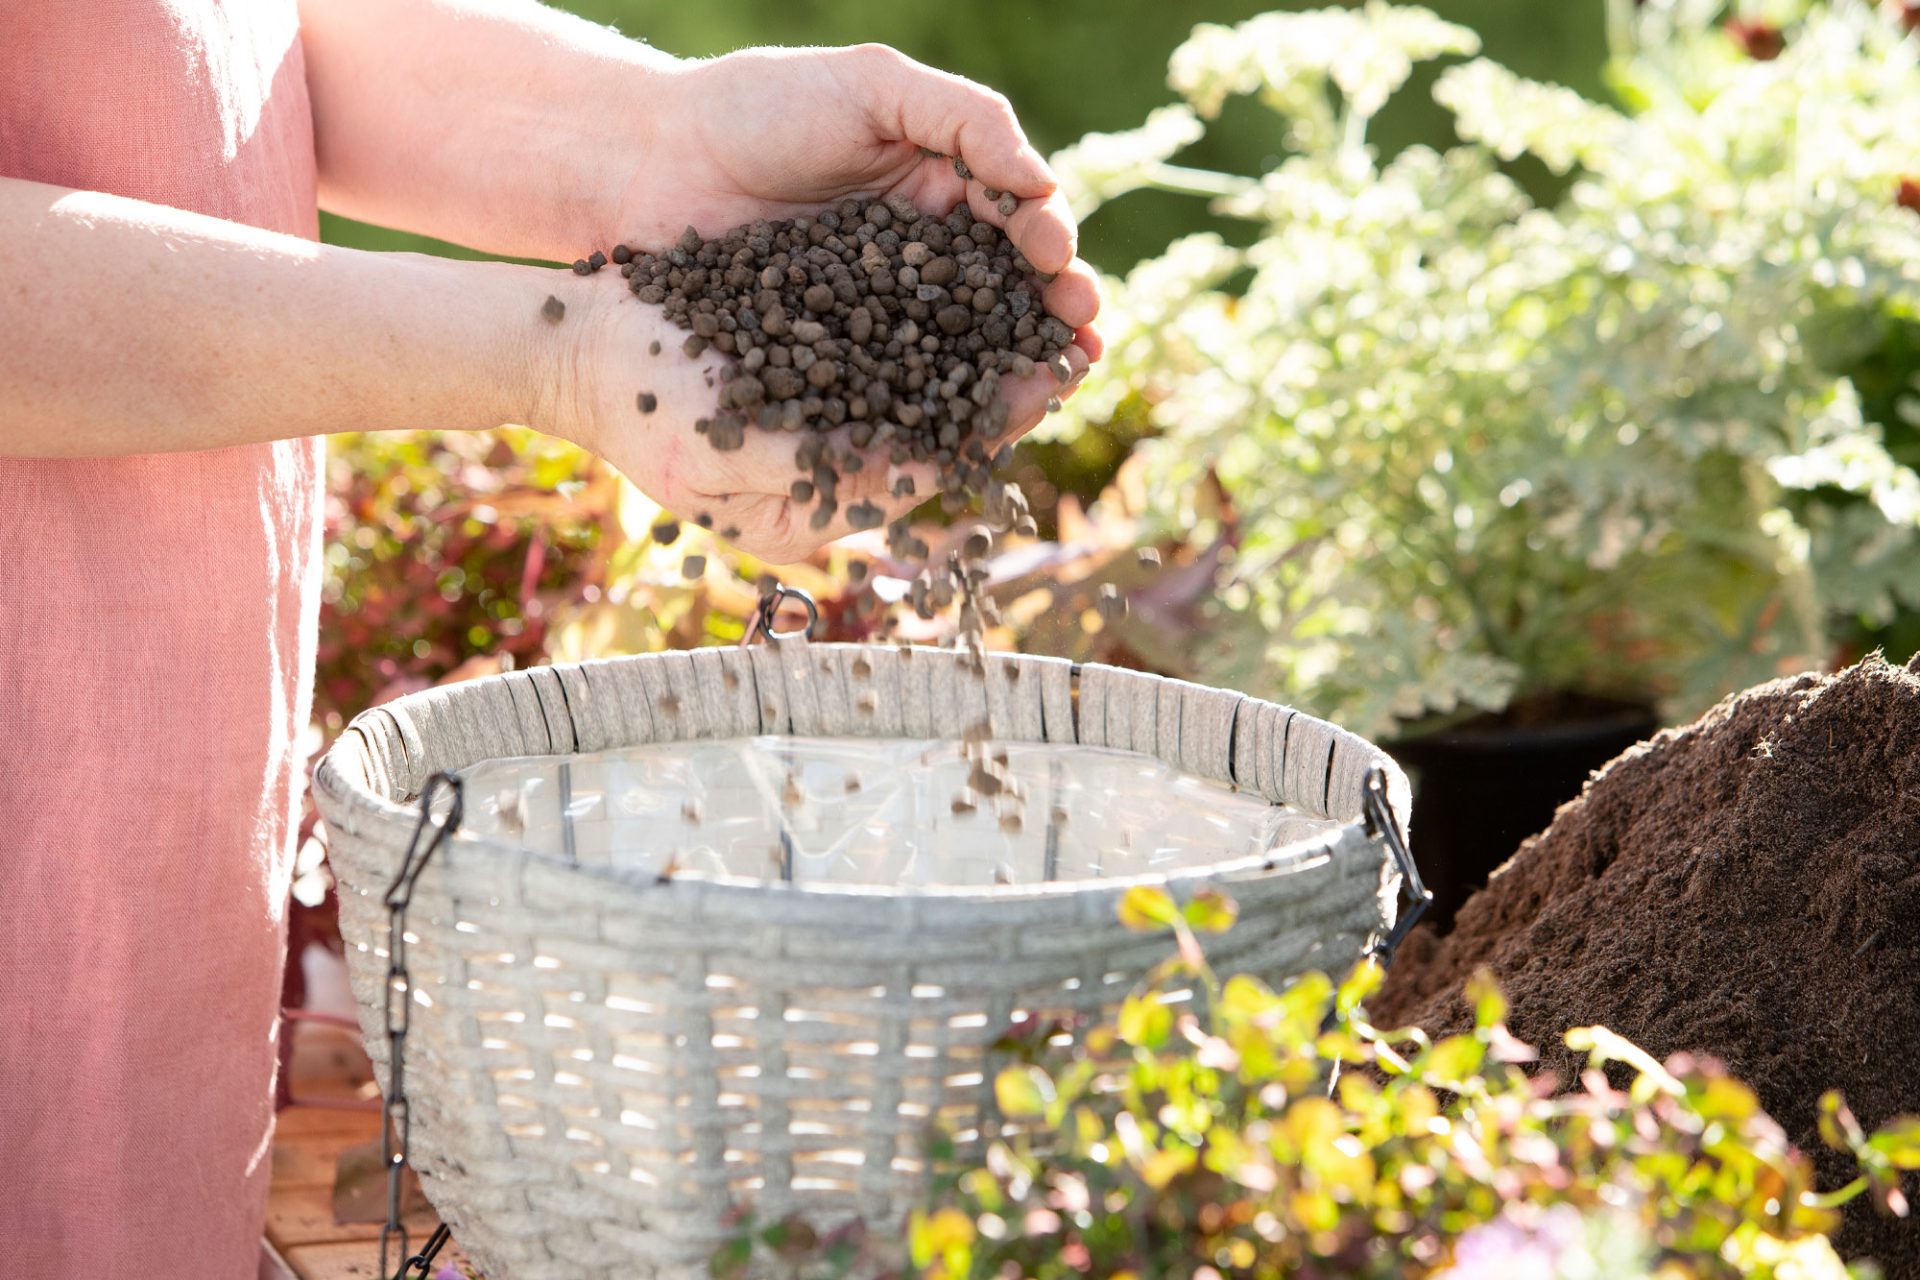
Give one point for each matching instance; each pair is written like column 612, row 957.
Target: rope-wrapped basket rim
column 372, row 775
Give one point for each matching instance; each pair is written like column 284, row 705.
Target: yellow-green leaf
column 1164, row 1166
column 1361, row 983
column 1022, row 1091
column 1489, row 1005
column 1454, row 1058
column 1146, row 908
column 1145, row 1022
column 1899, row 1141
column 1211, row 911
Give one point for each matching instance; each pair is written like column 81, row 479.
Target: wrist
column 621, row 150
column 650, row 202
column 479, row 348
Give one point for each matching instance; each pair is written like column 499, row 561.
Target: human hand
column 728, row 133
column 630, row 394
column 771, row 133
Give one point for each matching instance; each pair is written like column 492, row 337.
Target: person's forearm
column 508, row 127
column 128, row 327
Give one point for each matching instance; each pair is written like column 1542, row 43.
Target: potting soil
column 1748, row 887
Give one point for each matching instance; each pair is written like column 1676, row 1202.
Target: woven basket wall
column 601, row 1065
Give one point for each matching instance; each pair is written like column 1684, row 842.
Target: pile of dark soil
column 1748, row 887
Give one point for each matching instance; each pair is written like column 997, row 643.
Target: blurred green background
column 1071, row 66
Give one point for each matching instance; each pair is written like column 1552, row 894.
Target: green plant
column 1477, row 449
column 1221, row 1128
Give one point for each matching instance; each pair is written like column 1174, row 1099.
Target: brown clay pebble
column 580, row 267
column 597, row 260
column 667, row 532
column 1007, row 204
column 1149, row 557
column 648, row 402
column 1747, row 887
column 553, row 309
column 693, row 566
column 1111, row 605
column 622, row 255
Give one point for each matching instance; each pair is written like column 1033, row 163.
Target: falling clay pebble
column 880, row 335
column 1149, row 557
column 1111, row 605
column 693, row 566
column 648, row 402
column 553, row 309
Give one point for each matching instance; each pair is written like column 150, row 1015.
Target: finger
column 1028, row 398
column 1074, row 296
column 911, row 102
column 1088, row 339
column 1043, row 230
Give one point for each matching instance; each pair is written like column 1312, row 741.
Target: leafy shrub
column 1477, row 448
column 1226, row 1129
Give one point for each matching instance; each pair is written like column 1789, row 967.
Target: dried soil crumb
column 1747, row 886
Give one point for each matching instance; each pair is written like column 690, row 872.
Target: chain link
column 768, row 612
column 397, row 1127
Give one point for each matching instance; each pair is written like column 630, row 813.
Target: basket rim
column 397, row 822
column 349, row 804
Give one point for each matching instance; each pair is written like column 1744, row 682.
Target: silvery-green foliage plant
column 1476, row 448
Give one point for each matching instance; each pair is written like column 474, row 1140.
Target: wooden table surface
column 305, row 1241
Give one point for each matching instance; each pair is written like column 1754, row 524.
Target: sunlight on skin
column 247, row 335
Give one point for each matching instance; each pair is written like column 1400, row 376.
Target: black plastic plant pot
column 1479, row 790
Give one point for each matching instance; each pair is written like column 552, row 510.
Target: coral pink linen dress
column 156, row 642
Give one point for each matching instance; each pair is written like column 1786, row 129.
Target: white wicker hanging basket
column 604, row 1060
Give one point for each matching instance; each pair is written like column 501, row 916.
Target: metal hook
column 768, row 612
column 1382, row 825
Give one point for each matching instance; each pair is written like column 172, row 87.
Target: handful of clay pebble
column 871, row 331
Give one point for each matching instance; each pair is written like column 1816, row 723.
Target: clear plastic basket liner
column 886, row 812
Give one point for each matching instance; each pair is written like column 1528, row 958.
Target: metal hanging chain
column 428, row 835
column 762, row 623
column 1383, row 826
